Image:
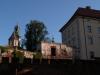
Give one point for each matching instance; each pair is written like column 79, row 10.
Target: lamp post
column 15, row 48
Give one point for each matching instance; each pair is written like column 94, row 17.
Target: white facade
column 60, row 51
column 27, row 54
column 83, row 33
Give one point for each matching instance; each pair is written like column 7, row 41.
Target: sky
column 53, row 13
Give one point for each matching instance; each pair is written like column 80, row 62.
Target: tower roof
column 15, row 34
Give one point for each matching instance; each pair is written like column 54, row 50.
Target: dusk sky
column 53, row 13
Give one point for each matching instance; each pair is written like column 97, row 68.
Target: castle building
column 82, row 32
column 52, row 50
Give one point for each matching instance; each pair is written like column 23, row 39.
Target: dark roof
column 13, row 36
column 85, row 12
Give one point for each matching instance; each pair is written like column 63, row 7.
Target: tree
column 22, row 43
column 36, row 32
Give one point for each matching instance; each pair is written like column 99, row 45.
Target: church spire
column 14, row 38
column 16, row 30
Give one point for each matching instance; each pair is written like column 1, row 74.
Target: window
column 90, row 40
column 91, row 54
column 53, row 51
column 72, row 30
column 98, row 30
column 68, row 33
column 98, row 40
column 73, row 41
column 89, row 29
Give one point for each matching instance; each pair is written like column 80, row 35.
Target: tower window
column 89, row 29
column 90, row 40
column 98, row 30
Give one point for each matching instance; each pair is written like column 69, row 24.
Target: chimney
column 88, row 7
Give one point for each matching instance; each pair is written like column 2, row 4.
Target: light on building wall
column 15, row 43
column 19, row 39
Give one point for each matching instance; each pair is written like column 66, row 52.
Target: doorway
column 53, row 51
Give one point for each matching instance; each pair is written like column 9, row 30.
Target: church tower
column 14, row 40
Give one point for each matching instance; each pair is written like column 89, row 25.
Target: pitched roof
column 13, row 36
column 85, row 12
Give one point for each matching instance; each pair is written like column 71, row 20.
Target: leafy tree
column 22, row 43
column 36, row 32
column 18, row 56
column 38, row 55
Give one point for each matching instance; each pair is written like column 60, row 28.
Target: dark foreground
column 78, row 68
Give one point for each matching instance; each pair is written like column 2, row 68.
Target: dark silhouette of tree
column 36, row 32
column 22, row 43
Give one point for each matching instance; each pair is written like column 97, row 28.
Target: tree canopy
column 35, row 32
